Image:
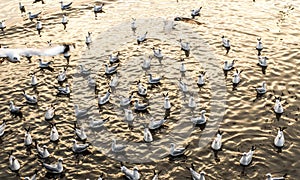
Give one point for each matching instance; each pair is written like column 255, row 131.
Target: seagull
column 182, row 67
column 236, row 77
column 229, row 66
column 54, row 136
column 184, row 46
column 114, row 82
column 98, row 9
column 247, row 157
column 33, row 16
column 269, row 177
column 22, row 8
column 117, row 147
column 104, row 99
column 201, row 119
column 201, row 79
column 55, row 168
column 152, row 80
column 196, row 175
column 84, row 71
column 64, row 90
column 80, row 132
column 147, row 135
column 156, row 124
column 167, row 104
column 39, row 26
column 114, row 59
column 97, row 123
column 142, row 90
column 27, row 139
column 65, row 6
column 81, row 113
column 176, row 151
column 279, row 139
column 192, row 103
column 133, row 25
column 33, row 177
column 226, row 44
column 91, row 81
column 196, row 12
column 50, row 112
column 14, row 109
column 2, row 128
column 259, row 46
column 14, row 164
column 130, row 174
column 262, row 61
column 217, row 142
column 45, row 64
column 14, row 54
column 64, row 21
column 79, row 148
column 2, row 25
column 155, row 177
column 146, row 63
column 262, row 89
column 34, row 80
column 141, row 39
column 30, row 99
column 140, row 107
column 88, row 39
column 110, row 70
column 62, row 75
column 128, row 115
column 183, row 87
column 157, row 53
column 126, row 101
column 278, row 107
column 42, row 151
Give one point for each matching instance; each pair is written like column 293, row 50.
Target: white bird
column 97, row 123
column 147, row 135
column 156, row 175
column 64, row 90
column 14, row 55
column 157, row 53
column 142, row 90
column 262, row 89
column 62, row 76
column 183, row 86
column 13, row 108
column 182, row 68
column 2, row 25
column 201, row 119
column 236, row 77
column 39, row 27
column 80, row 133
column 22, row 8
column 278, row 106
column 27, row 139
column 81, row 113
column 110, row 70
column 156, row 124
column 184, row 46
column 91, row 81
column 33, row 16
column 14, row 164
column 79, row 148
column 126, row 101
column 54, row 136
column 133, row 25
column 88, row 39
column 201, row 79
column 84, row 71
column 33, row 177
column 114, row 81
column 196, row 12
column 34, row 80
column 152, row 80
column 114, row 59
column 42, row 151
column 65, row 6
column 176, row 151
column 147, row 63
column 192, row 103
column 44, row 64
column 30, row 99
column 64, row 21
column 217, row 142
column 142, row 38
column 226, row 44
column 2, row 128
column 228, row 66
column 247, row 157
column 279, row 139
column 167, row 104
column 262, row 61
column 128, row 115
column 98, row 9
column 195, row 174
column 140, row 107
column 55, row 168
column 117, row 147
column 269, row 177
column 259, row 46
column 130, row 174
column 104, row 99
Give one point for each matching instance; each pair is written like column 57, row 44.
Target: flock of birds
column 14, row 55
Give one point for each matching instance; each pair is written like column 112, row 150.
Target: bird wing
column 53, row 51
column 5, row 52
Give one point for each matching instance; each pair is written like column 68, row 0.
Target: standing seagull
column 55, row 168
column 142, row 38
column 39, row 26
column 278, row 106
column 14, row 164
column 226, row 44
column 130, row 174
column 279, row 139
column 22, row 8
column 247, row 157
column 196, row 175
column 79, row 148
column 65, row 6
column 259, row 46
column 88, row 39
column 196, row 12
column 176, row 151
column 133, row 25
column 262, row 90
column 2, row 25
column 33, row 16
column 217, row 142
column 98, row 9
column 64, row 21
column 236, row 77
column 28, row 139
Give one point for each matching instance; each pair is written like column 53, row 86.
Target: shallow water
column 245, row 119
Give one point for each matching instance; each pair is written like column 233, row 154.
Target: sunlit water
column 247, row 120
